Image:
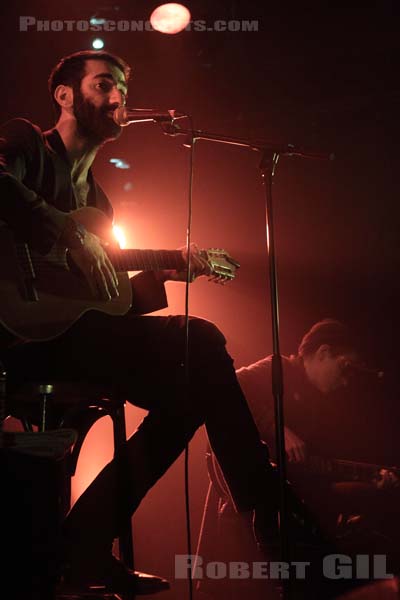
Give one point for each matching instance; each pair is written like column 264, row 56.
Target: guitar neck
column 344, row 470
column 146, row 260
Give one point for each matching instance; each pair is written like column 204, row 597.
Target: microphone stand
column 270, row 154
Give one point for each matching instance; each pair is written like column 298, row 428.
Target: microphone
column 124, row 116
column 352, row 368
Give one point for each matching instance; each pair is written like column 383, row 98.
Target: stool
column 49, row 407
column 80, row 416
column 31, row 467
column 64, row 421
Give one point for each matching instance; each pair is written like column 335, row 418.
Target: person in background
column 334, row 431
column 333, row 436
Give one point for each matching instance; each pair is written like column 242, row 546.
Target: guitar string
column 129, row 261
column 124, row 260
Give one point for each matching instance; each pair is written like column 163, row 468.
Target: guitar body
column 62, row 296
column 41, row 296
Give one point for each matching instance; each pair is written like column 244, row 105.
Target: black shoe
column 110, row 576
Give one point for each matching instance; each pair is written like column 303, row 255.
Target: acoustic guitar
column 41, row 296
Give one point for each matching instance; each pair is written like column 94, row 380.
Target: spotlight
column 98, row 44
column 97, row 21
column 119, row 236
column 119, row 163
column 170, row 18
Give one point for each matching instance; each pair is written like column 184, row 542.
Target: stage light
column 98, row 44
column 119, row 163
column 97, row 21
column 119, row 236
column 170, row 18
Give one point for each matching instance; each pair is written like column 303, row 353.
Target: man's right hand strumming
column 88, row 254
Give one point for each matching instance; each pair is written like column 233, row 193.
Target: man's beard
column 94, row 124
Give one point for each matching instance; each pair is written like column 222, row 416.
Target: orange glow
column 98, row 449
column 119, row 236
column 170, row 18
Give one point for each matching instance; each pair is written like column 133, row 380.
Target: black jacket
column 36, row 194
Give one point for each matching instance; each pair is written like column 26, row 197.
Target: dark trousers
column 142, row 359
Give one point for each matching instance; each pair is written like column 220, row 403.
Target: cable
column 172, row 129
column 186, row 355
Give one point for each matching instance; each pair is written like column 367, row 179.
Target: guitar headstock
column 222, row 266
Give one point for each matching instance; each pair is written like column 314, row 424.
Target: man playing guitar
column 47, row 192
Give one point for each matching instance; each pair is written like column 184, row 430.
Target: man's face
column 328, row 371
column 103, row 88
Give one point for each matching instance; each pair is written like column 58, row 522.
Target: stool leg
column 126, row 538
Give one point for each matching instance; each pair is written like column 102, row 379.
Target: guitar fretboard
column 345, row 470
column 146, row 260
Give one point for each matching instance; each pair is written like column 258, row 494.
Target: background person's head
column 326, row 350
